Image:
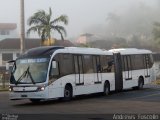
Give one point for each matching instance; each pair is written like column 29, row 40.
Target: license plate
column 23, row 95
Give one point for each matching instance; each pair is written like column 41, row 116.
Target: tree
column 22, row 31
column 41, row 23
column 156, row 31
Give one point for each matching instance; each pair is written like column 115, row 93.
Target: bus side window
column 87, row 64
column 107, row 64
column 110, row 66
column 66, row 64
column 151, row 61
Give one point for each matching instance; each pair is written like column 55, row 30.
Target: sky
column 82, row 13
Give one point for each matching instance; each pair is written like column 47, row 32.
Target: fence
column 4, row 79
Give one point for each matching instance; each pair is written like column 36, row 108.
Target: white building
column 8, row 30
column 10, row 47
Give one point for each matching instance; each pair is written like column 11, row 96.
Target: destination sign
column 38, row 60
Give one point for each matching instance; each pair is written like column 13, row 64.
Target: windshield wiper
column 30, row 76
column 22, row 76
column 27, row 72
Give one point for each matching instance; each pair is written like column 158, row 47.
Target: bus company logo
column 9, row 117
column 136, row 117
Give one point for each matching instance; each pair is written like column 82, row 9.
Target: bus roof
column 130, row 51
column 49, row 50
column 40, row 51
column 81, row 50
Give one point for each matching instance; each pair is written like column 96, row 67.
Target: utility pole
column 22, row 25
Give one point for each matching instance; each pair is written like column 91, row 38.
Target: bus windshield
column 29, row 71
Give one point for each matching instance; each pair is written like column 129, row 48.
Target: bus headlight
column 10, row 88
column 41, row 88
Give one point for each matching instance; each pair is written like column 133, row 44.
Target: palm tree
column 22, row 31
column 41, row 22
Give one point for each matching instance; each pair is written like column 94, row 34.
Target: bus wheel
column 68, row 93
column 35, row 100
column 140, row 84
column 106, row 89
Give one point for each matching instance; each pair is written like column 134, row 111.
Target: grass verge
column 157, row 82
column 4, row 89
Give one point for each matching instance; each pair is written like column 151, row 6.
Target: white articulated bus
column 63, row 72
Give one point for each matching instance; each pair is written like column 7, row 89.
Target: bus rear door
column 97, row 68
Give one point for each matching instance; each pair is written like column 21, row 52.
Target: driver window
column 54, row 69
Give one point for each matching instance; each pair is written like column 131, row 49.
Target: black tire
column 35, row 100
column 106, row 89
column 68, row 93
column 135, row 88
column 140, row 84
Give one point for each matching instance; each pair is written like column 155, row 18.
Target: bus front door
column 118, row 72
column 97, row 69
column 78, row 66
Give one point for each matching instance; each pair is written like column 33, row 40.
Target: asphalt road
column 129, row 101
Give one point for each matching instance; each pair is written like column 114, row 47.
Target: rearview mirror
column 54, row 64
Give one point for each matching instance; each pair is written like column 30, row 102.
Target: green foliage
column 156, row 31
column 6, row 88
column 41, row 23
column 120, row 42
column 84, row 45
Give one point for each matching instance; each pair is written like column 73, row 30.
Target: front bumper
column 28, row 95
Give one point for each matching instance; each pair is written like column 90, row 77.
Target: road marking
column 147, row 96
